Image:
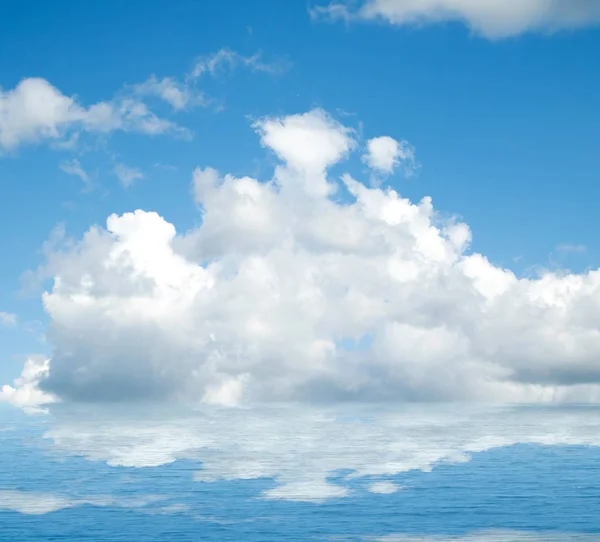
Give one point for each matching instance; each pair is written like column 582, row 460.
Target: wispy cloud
column 73, row 167
column 182, row 94
column 165, row 167
column 566, row 247
column 127, row 175
column 60, row 120
column 228, row 59
column 177, row 94
column 8, row 319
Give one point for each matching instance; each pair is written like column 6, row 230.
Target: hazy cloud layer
column 8, row 319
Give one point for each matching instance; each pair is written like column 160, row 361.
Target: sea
column 393, row 473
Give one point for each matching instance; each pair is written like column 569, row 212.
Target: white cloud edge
column 385, row 155
column 492, row 19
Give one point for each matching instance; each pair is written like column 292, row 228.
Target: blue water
column 56, row 483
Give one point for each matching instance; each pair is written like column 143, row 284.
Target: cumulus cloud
column 35, row 111
column 384, row 154
column 127, row 175
column 32, row 111
column 307, row 144
column 304, row 287
column 26, row 393
column 490, row 18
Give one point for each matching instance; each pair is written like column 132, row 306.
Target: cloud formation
column 308, row 288
column 25, row 393
column 35, row 111
column 385, row 154
column 73, row 167
column 178, row 95
column 183, row 93
column 489, row 18
column 127, row 175
column 228, row 59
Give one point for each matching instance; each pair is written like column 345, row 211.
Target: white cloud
column 35, row 111
column 308, row 144
column 384, row 154
column 8, row 319
column 26, row 393
column 176, row 94
column 181, row 95
column 129, row 115
column 259, row 302
column 304, row 449
column 227, row 58
column 127, row 175
column 73, row 167
column 490, row 18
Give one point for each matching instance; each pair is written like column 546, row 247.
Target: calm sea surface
column 409, row 473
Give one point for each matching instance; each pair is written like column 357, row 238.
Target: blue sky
column 505, row 130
